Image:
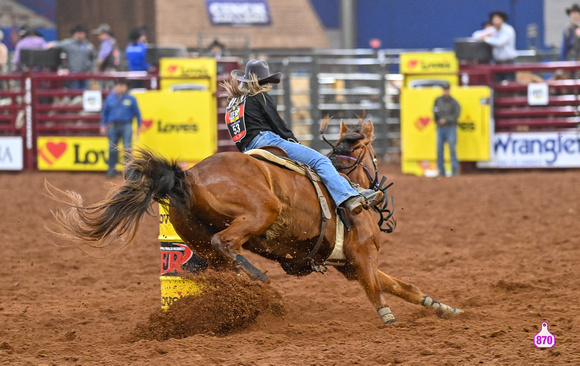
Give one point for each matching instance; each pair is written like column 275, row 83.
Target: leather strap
column 325, row 213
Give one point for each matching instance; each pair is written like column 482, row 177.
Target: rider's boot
column 372, row 197
column 368, row 199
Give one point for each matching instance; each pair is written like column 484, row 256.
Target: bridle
column 374, row 181
column 386, row 213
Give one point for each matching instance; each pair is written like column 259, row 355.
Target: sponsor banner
column 428, row 63
column 200, row 72
column 238, row 13
column 418, row 130
column 179, row 125
column 11, row 153
column 534, row 150
column 74, row 153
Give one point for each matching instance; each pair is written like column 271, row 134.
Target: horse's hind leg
column 255, row 218
column 198, row 238
column 411, row 293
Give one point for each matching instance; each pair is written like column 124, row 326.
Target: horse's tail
column 147, row 177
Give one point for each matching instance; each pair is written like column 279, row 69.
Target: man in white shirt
column 503, row 41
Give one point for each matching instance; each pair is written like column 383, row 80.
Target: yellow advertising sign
column 428, row 63
column 418, row 130
column 73, row 153
column 179, row 125
column 200, row 71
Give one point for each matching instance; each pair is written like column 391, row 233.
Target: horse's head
column 353, row 153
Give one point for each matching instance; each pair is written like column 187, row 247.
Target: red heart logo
column 147, row 123
column 56, row 150
column 422, row 122
column 179, row 293
column 172, row 68
column 412, row 63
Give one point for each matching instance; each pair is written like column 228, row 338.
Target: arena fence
column 512, row 111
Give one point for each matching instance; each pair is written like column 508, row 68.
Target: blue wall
column 430, row 23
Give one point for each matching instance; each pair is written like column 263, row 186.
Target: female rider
column 253, row 121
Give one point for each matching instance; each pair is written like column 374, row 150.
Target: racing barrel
column 177, row 260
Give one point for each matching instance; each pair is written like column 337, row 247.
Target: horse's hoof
column 447, row 312
column 386, row 315
column 442, row 310
column 390, row 321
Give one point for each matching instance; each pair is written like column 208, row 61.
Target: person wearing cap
column 570, row 50
column 253, row 121
column 503, row 40
column 446, row 111
column 109, row 56
column 136, row 50
column 80, row 55
column 28, row 40
column 119, row 110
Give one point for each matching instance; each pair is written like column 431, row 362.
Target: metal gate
column 343, row 84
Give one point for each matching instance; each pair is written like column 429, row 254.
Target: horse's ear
column 324, row 124
column 368, row 130
column 343, row 128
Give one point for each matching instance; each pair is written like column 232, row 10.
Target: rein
column 386, row 213
column 374, row 181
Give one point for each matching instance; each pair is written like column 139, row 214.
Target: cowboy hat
column 78, row 28
column 262, row 71
column 574, row 7
column 103, row 28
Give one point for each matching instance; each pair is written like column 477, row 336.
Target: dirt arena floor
column 505, row 247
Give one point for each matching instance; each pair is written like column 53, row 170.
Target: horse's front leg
column 412, row 294
column 362, row 266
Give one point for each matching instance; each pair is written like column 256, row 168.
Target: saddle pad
column 283, row 162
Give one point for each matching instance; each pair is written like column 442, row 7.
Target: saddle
column 278, row 156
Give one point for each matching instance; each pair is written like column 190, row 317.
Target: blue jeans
column 447, row 134
column 338, row 187
column 115, row 133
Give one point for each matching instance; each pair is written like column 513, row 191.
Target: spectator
column 487, row 29
column 3, row 53
column 29, row 39
column 117, row 121
column 570, row 50
column 80, row 54
column 503, row 43
column 446, row 111
column 217, row 50
column 109, row 57
column 136, row 50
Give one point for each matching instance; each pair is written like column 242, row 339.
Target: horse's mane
column 354, row 135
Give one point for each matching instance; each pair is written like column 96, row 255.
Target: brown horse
column 232, row 200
